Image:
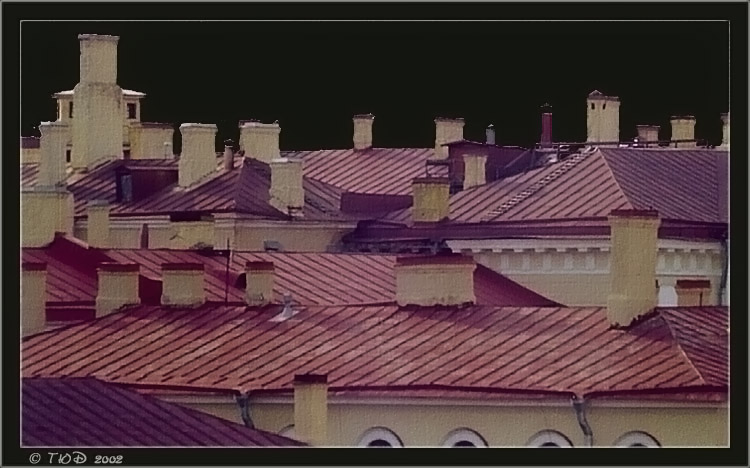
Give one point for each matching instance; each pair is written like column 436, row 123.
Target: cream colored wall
column 30, row 155
column 44, row 212
column 428, row 425
column 301, row 239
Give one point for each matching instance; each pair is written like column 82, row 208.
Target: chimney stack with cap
column 118, row 286
column 546, row 138
column 148, row 140
column 447, row 131
column 260, row 141
column 228, row 155
column 363, row 131
column 431, row 199
column 183, row 284
column 97, row 224
column 198, row 157
column 725, row 130
column 683, row 128
column 259, row 281
column 648, row 135
column 97, row 100
column 633, row 288
column 602, row 118
column 311, row 408
column 287, row 192
column 33, row 297
column 475, row 162
column 489, row 135
column 444, row 279
column 52, row 147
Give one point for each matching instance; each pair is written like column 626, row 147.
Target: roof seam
column 681, row 350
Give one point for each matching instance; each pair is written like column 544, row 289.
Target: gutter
column 724, row 271
column 579, row 405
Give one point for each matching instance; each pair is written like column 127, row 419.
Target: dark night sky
column 313, row 76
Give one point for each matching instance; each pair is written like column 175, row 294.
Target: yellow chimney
column 474, row 170
column 633, row 290
column 33, row 297
column 725, row 130
column 602, row 118
column 198, row 156
column 693, row 293
column 287, row 192
column 45, row 211
column 97, row 224
column 446, row 279
column 311, row 408
column 447, row 131
column 431, row 197
column 363, row 131
column 147, row 140
column 683, row 128
column 52, row 146
column 259, row 278
column 648, row 133
column 183, row 284
column 97, row 104
column 260, row 141
column 117, row 286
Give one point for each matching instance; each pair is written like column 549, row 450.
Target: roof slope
column 523, row 349
column 685, row 185
column 90, row 413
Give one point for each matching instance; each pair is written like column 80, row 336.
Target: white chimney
column 445, row 279
column 490, row 135
column 117, row 287
column 52, row 146
column 147, row 140
column 97, row 104
column 259, row 279
column 447, row 131
column 183, row 284
column 33, row 297
column 260, row 141
column 683, row 128
column 602, row 118
column 198, row 156
column 725, row 130
column 363, row 131
column 228, row 155
column 648, row 133
column 97, row 224
column 287, row 192
column 474, row 169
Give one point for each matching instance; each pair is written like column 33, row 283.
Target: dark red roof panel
column 90, row 413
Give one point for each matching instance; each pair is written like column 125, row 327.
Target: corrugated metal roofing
column 523, row 349
column 685, row 185
column 386, row 171
column 90, row 413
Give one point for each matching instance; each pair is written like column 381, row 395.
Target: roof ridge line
column 682, row 351
column 614, row 177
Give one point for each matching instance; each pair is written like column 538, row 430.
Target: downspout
column 579, row 405
column 724, row 269
column 242, row 401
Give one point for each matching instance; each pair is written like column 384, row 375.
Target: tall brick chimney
column 447, row 131
column 183, row 284
column 363, row 131
column 198, row 157
column 259, row 280
column 33, row 297
column 260, row 141
column 431, row 197
column 117, row 287
column 602, row 118
column 683, row 128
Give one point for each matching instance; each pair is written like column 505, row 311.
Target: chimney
column 693, row 293
column 228, row 155
column 489, row 134
column 633, row 289
column 648, row 133
column 546, row 138
column 260, row 141
column 148, row 140
column 286, row 185
column 259, row 279
column 198, row 157
column 97, row 224
column 431, row 199
column 311, row 408
column 183, row 284
column 168, row 152
column 118, row 286
column 363, row 131
column 33, row 297
column 97, row 100
column 683, row 128
column 52, row 146
column 474, row 169
column 602, row 118
column 444, row 279
column 725, row 130
column 447, row 131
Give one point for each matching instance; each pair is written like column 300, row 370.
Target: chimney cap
column 34, row 266
column 99, row 203
column 258, row 124
column 153, row 125
column 364, row 117
column 259, row 266
column 692, row 284
column 439, row 259
column 634, row 214
column 449, row 119
column 432, row 180
column 98, row 37
column 682, row 117
column 182, row 267
column 310, row 379
column 598, row 95
column 725, row 116
column 118, row 267
column 648, row 127
column 197, row 126
column 547, row 108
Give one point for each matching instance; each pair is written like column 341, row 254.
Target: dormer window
column 131, row 110
column 70, row 110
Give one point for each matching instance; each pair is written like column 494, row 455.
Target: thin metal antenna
column 226, row 277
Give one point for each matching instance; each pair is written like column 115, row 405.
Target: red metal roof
column 386, row 171
column 475, row 347
column 30, row 142
column 89, row 413
column 688, row 185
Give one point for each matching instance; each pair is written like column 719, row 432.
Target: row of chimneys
column 420, row 280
